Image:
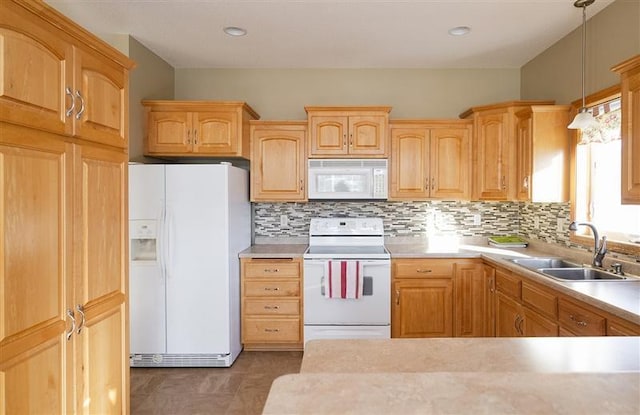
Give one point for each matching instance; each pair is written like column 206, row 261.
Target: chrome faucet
column 599, row 248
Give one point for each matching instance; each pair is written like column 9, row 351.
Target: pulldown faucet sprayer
column 599, row 248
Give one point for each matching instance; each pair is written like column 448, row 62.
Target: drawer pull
column 270, row 270
column 271, row 307
column 271, row 330
column 577, row 321
column 423, row 271
column 272, row 288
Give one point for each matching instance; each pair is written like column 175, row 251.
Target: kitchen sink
column 581, row 274
column 538, row 263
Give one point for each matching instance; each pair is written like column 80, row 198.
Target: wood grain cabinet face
column 422, row 298
column 71, row 91
column 492, row 151
column 348, row 131
column 430, row 161
column 271, row 304
column 542, row 159
column 630, row 96
column 580, row 320
column 278, row 163
column 63, row 205
column 471, row 300
column 198, row 128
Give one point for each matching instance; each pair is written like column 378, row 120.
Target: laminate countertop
column 274, row 251
column 463, row 376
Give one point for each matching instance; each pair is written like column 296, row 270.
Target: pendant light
column 583, row 119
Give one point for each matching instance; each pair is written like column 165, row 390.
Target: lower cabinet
column 271, row 317
column 422, row 298
column 472, row 297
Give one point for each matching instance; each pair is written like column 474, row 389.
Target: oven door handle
column 322, row 286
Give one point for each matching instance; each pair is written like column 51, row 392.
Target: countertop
column 526, row 354
column 589, row 375
column 274, row 251
column 455, row 393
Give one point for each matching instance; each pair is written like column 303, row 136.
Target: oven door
column 373, row 308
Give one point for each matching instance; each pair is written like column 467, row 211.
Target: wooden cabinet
column 489, row 273
column 348, row 131
column 278, row 162
column 271, row 311
column 619, row 327
column 422, row 295
column 580, row 319
column 542, row 153
column 629, row 71
column 523, row 308
column 72, row 90
column 494, row 149
column 198, row 128
column 430, row 159
column 63, row 207
column 471, row 299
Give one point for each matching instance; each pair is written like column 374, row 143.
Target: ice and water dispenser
column 143, row 235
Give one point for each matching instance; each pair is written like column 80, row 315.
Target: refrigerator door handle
column 160, row 242
column 168, row 222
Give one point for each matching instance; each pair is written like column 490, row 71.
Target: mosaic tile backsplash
column 421, row 218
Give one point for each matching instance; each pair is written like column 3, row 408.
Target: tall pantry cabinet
column 63, row 189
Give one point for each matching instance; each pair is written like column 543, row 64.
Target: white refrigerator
column 188, row 222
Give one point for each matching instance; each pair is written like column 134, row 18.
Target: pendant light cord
column 584, row 43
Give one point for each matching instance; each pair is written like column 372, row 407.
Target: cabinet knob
column 188, row 136
column 80, row 310
column 504, row 183
column 267, row 330
column 195, row 136
column 271, row 307
column 423, row 271
column 577, row 320
column 272, row 288
column 433, row 183
column 397, row 297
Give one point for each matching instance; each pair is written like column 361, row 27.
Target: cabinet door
column 450, row 163
column 535, row 325
column 36, row 272
column 631, row 134
column 328, row 135
column 101, row 99
column 409, row 163
column 367, row 135
column 509, row 317
column 490, row 298
column 470, row 301
column 422, row 308
column 101, row 229
column 168, row 132
column 524, row 146
column 215, row 132
column 491, row 170
column 277, row 165
column 35, row 70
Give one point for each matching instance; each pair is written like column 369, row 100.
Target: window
column 598, row 183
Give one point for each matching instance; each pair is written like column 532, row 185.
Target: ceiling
column 335, row 33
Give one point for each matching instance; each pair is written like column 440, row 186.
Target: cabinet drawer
column 508, row 284
column 271, row 331
column 580, row 321
column 272, row 307
column 543, row 301
column 269, row 288
column 280, row 269
column 422, row 268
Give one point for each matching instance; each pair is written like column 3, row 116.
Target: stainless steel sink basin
column 538, row 263
column 581, row 274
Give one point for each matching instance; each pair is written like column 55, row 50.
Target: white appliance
column 347, row 239
column 348, row 179
column 188, row 222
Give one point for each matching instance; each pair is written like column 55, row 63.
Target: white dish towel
column 343, row 280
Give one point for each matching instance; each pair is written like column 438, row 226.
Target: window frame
column 596, row 98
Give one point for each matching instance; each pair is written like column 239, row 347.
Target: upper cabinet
column 198, row 128
column 495, row 148
column 542, row 153
column 629, row 71
column 348, row 131
column 430, row 159
column 71, row 90
column 278, row 162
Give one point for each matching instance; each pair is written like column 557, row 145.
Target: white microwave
column 348, row 179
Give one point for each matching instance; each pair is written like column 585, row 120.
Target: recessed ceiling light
column 459, row 31
column 235, row 31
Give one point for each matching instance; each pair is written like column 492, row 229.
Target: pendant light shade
column 583, row 119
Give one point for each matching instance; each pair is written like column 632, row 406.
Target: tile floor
column 240, row 389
